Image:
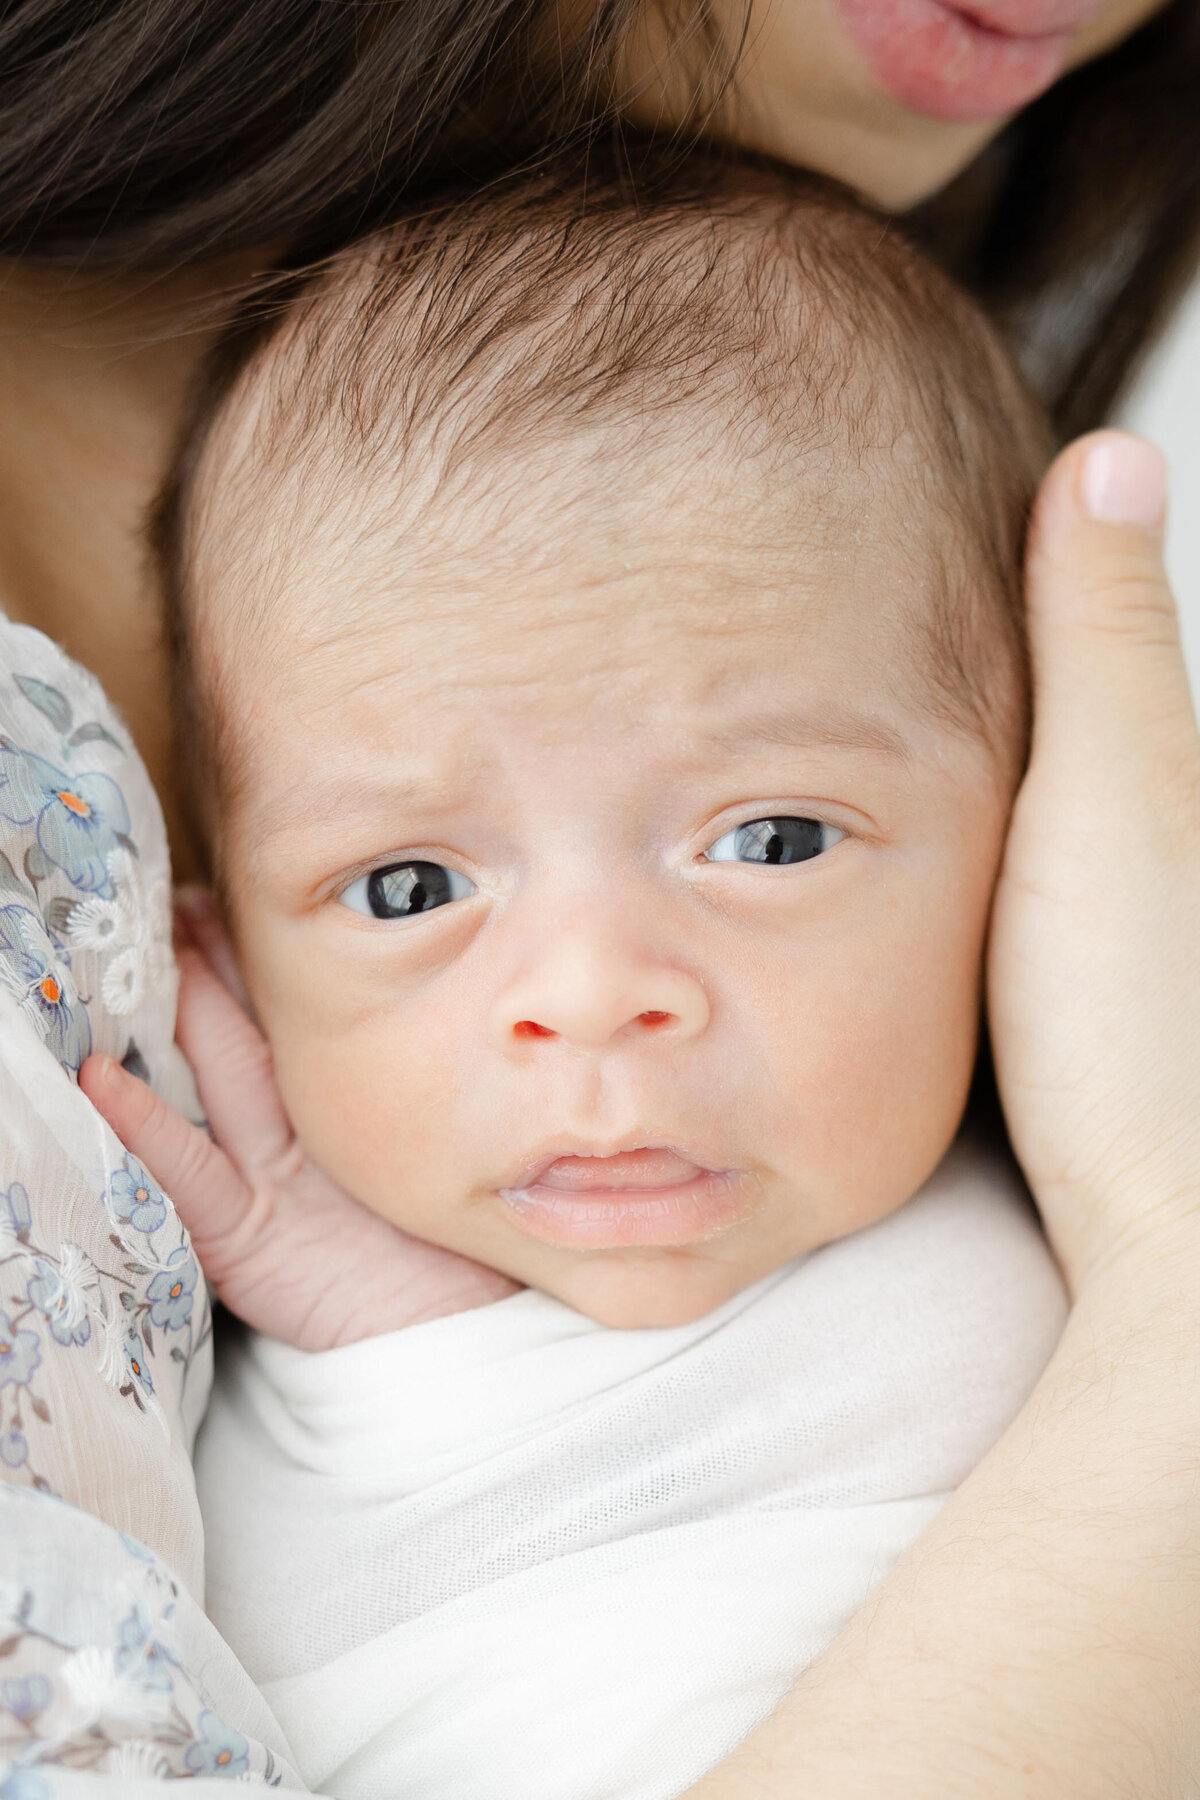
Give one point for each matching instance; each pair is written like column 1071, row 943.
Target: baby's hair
column 494, row 334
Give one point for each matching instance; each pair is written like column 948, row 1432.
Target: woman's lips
column 966, row 63
column 654, row 1197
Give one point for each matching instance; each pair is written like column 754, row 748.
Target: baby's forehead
column 644, row 579
column 674, row 598
column 524, row 435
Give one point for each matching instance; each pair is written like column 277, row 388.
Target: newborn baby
column 603, row 690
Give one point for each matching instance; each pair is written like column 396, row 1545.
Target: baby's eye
column 403, row 889
column 775, row 841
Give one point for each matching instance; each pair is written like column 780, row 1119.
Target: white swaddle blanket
column 514, row 1555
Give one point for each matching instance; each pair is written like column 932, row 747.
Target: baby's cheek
column 370, row 1104
column 874, row 1063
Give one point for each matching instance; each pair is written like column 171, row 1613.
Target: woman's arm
column 1043, row 1638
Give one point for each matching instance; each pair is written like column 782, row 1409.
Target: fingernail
column 110, row 1071
column 1124, row 482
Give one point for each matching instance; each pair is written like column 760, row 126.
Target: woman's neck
column 94, row 375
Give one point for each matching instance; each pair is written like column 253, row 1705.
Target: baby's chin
column 647, row 1289
column 635, row 1287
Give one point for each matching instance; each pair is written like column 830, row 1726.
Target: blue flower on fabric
column 170, row 1293
column 15, row 1214
column 19, row 1354
column 135, row 1199
column 26, row 1698
column 135, row 1361
column 219, row 1749
column 140, row 1656
column 36, row 970
column 79, row 819
column 136, row 1550
column 14, row 1448
column 24, row 1784
column 61, row 1302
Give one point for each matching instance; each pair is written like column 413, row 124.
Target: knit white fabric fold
column 513, row 1555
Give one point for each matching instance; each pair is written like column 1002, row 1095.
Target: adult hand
column 284, row 1247
column 1095, row 958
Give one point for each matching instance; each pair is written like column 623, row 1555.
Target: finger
column 1112, row 692
column 200, row 915
column 232, row 1064
column 209, row 1194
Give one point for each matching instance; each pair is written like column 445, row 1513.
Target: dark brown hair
column 144, row 133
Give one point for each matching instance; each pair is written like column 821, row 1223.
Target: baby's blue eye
column 775, row 841
column 404, row 889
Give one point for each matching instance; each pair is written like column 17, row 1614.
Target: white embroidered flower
column 123, row 982
column 138, row 1760
column 98, row 1691
column 110, row 1345
column 131, row 930
column 62, row 1292
column 94, row 924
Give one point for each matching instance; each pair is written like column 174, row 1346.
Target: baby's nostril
column 653, row 1018
column 527, row 1028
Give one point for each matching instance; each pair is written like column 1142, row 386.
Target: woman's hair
column 154, row 133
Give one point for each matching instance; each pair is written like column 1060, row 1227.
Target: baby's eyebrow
column 373, row 802
column 798, row 727
column 359, row 799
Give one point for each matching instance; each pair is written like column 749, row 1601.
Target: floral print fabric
column 115, row 1675
column 111, row 1677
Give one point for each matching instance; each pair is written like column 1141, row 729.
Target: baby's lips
column 641, row 1170
column 633, row 1168
column 650, row 1198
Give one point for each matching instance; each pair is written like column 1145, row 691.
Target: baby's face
column 616, row 914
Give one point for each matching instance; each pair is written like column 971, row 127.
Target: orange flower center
column 49, row 989
column 176, row 1291
column 74, row 804
column 223, row 1758
column 141, row 1195
column 135, row 1365
column 4, row 1349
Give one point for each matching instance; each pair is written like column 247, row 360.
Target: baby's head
column 603, row 685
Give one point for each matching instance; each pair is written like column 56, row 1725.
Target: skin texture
column 806, row 93
column 572, row 742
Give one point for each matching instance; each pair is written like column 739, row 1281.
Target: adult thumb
column 1111, row 689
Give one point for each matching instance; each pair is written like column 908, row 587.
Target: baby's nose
column 596, row 998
